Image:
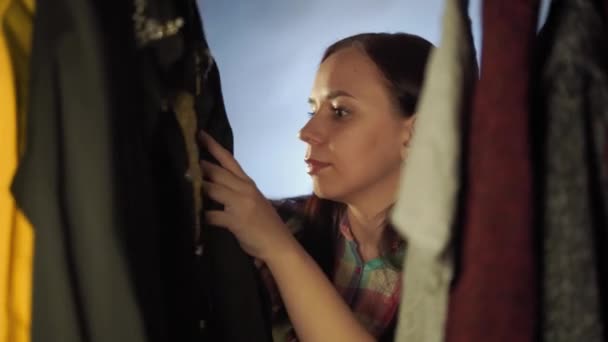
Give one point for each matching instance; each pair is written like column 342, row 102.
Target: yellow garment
column 16, row 234
column 183, row 107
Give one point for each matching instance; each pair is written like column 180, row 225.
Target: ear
column 407, row 134
column 408, row 129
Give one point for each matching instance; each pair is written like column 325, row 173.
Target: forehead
column 352, row 71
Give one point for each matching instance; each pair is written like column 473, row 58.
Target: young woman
column 337, row 268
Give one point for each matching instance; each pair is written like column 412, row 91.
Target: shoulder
column 292, row 211
column 290, row 206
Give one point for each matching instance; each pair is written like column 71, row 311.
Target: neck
column 368, row 212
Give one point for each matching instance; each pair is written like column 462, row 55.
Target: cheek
column 367, row 154
column 353, row 148
column 368, row 138
column 360, row 159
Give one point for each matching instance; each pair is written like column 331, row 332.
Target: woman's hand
column 315, row 308
column 247, row 213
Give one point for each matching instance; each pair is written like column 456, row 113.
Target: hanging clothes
column 235, row 296
column 78, row 264
column 430, row 181
column 8, row 163
column 16, row 235
column 494, row 297
column 571, row 120
column 108, row 180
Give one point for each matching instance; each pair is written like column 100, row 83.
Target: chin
column 331, row 192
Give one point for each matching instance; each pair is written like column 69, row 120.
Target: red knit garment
column 495, row 298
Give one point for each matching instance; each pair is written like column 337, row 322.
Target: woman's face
column 356, row 135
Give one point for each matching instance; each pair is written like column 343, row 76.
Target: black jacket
column 102, row 182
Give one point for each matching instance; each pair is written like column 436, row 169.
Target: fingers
column 218, row 218
column 220, row 193
column 223, row 156
column 219, row 175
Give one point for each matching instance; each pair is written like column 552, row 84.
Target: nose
column 311, row 132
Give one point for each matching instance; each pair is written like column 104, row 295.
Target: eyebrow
column 332, row 95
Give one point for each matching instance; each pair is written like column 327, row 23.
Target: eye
column 311, row 113
column 341, row 112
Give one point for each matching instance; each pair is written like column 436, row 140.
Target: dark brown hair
column 402, row 59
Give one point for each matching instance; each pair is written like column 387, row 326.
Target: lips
column 315, row 166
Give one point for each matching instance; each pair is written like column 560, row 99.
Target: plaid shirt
column 372, row 289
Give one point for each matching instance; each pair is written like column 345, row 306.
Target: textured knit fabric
column 573, row 108
column 430, row 180
column 494, row 297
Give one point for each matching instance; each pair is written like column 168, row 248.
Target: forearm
column 315, row 308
